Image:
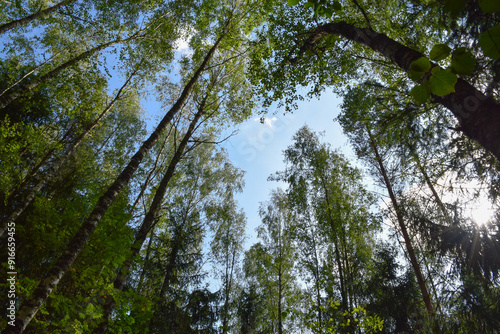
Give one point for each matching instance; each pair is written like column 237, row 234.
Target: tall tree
column 228, row 226
column 31, row 306
column 304, row 41
column 326, row 193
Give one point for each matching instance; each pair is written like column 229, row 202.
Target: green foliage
column 442, row 82
column 317, row 237
column 421, row 93
column 462, row 61
column 439, row 52
column 489, row 6
column 358, row 319
column 489, row 41
column 421, row 65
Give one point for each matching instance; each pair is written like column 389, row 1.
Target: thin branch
column 363, row 12
column 30, row 72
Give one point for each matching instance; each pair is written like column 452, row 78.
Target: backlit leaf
column 443, row 82
column 462, row 61
column 421, row 93
column 440, row 52
column 489, row 41
column 489, row 6
column 422, row 64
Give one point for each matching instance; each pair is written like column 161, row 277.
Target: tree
column 314, row 39
column 228, row 226
column 326, row 194
column 268, row 269
column 30, row 307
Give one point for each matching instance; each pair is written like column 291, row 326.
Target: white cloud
column 267, row 121
column 182, row 44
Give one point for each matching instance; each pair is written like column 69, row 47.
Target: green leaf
column 419, row 67
column 440, row 52
column 328, row 12
column 454, row 7
column 422, row 64
column 421, row 93
column 292, row 2
column 309, row 4
column 462, row 61
column 337, row 5
column 443, row 82
column 489, row 6
column 489, row 41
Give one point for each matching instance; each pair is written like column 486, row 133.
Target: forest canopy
column 115, row 221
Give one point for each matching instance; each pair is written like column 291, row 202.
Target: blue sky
column 257, row 148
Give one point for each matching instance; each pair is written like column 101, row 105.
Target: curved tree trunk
column 31, row 306
column 478, row 115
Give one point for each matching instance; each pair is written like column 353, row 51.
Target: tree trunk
column 478, row 115
column 406, row 237
column 317, row 279
column 430, row 185
column 25, row 20
column 31, row 306
column 53, row 170
column 149, row 219
column 343, row 291
column 146, row 259
column 280, row 292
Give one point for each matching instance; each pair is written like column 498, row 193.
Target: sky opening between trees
column 125, row 206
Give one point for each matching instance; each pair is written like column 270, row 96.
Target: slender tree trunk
column 31, row 306
column 230, row 264
column 29, row 73
column 150, row 175
column 169, row 270
column 227, row 290
column 25, row 20
column 347, row 268
column 477, row 114
column 226, row 302
column 343, row 292
column 55, row 168
column 280, row 291
column 430, row 185
column 317, row 279
column 149, row 219
column 406, row 237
